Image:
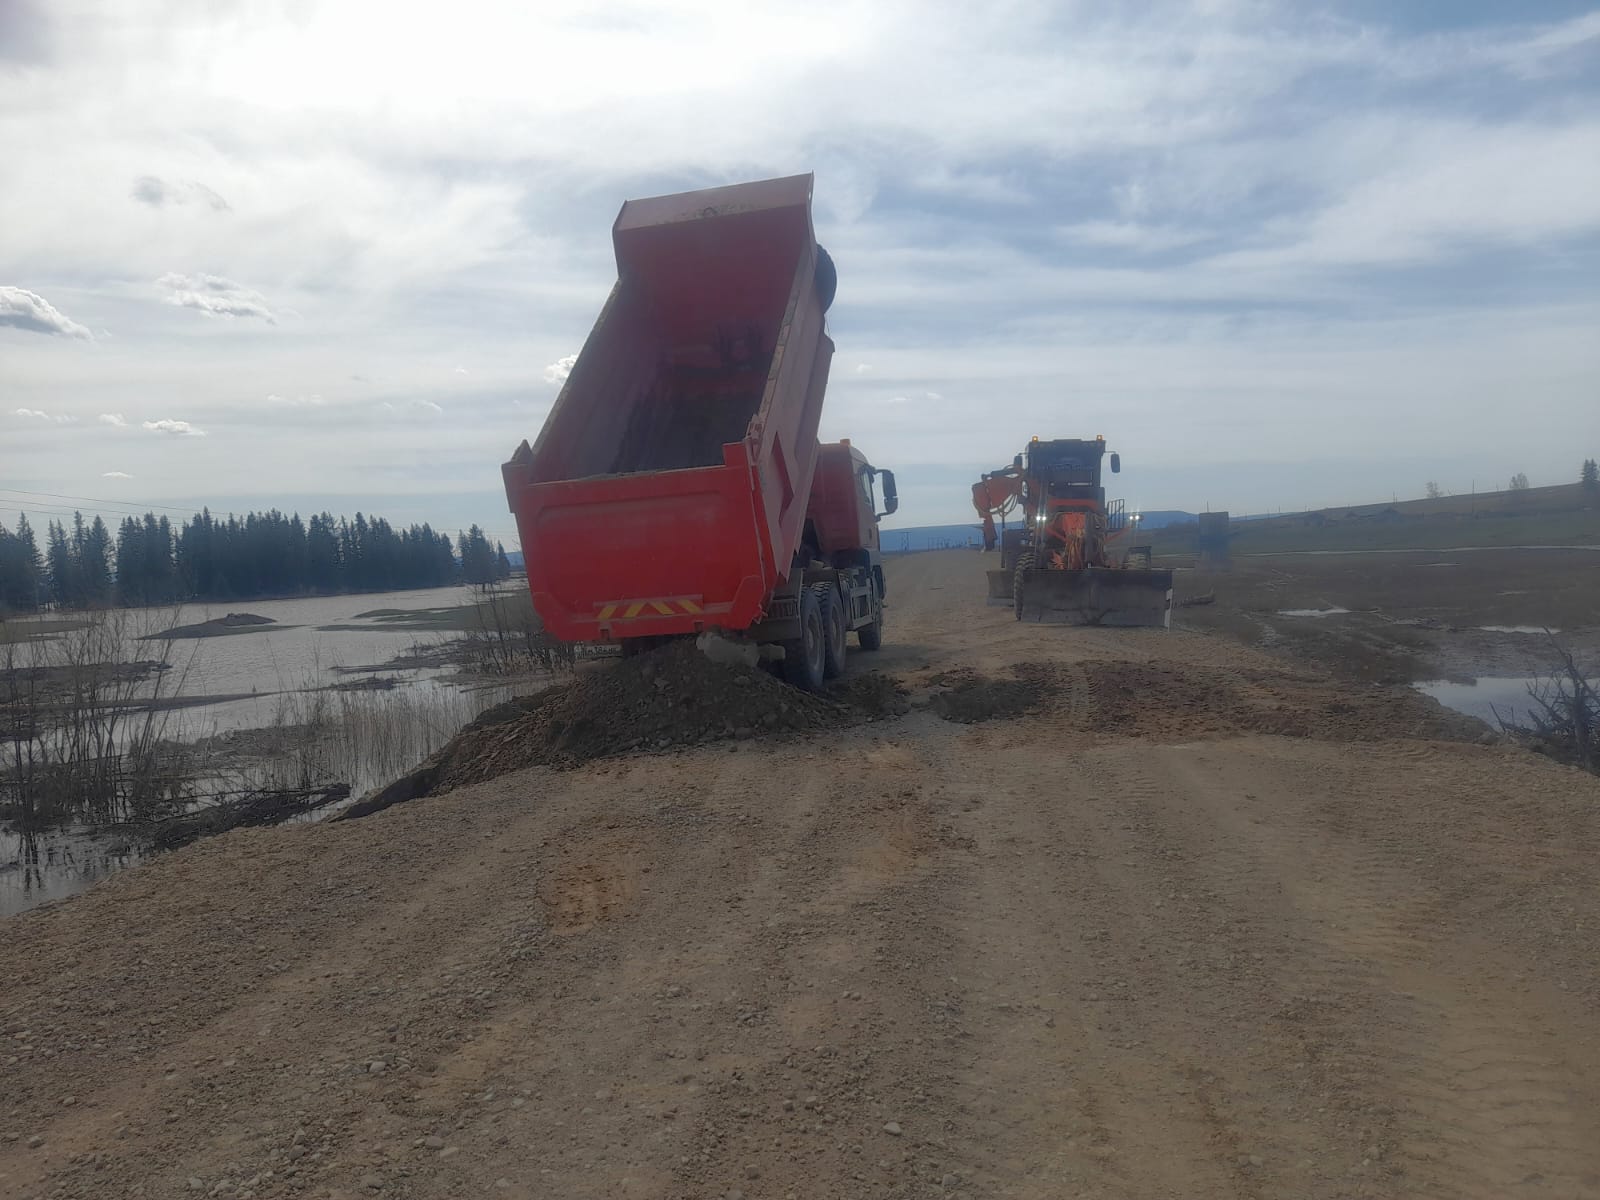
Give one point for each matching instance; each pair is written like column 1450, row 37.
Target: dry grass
column 85, row 716
column 361, row 738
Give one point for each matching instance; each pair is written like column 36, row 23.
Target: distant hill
column 1539, row 501
column 1561, row 515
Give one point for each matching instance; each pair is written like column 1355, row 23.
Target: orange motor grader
column 1060, row 563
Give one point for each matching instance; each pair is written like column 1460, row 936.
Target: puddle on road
column 1311, row 612
column 1484, row 697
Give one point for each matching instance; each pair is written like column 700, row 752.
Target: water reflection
column 53, row 864
column 1488, row 697
column 271, row 710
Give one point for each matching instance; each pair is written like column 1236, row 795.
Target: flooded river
column 313, row 642
column 278, row 676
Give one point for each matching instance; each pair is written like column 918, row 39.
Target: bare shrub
column 507, row 638
column 85, row 715
column 1564, row 717
column 359, row 737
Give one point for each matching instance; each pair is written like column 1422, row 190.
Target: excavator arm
column 997, row 493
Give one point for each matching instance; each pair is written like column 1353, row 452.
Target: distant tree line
column 208, row 558
column 1588, row 476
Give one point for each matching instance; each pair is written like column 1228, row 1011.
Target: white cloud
column 414, row 408
column 462, row 371
column 1030, row 213
column 115, row 475
column 177, row 428
column 1129, row 235
column 1445, row 187
column 115, row 419
column 148, row 189
column 216, row 296
column 22, row 309
column 37, row 414
column 310, row 400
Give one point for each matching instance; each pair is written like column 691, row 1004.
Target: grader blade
column 1096, row 596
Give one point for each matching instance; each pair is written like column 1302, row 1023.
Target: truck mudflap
column 1095, row 596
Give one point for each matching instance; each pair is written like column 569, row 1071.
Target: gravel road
column 1183, row 920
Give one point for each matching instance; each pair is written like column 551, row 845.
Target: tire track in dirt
column 341, row 1019
column 1057, row 1018
column 1455, row 1044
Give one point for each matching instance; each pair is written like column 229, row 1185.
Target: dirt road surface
column 1191, row 921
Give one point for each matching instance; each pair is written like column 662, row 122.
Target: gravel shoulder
column 1199, row 921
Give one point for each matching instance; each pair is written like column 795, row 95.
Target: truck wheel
column 1024, row 563
column 805, row 658
column 871, row 636
column 833, row 627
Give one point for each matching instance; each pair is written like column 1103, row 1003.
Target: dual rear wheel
column 818, row 654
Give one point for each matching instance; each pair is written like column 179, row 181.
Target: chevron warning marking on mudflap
column 666, row 606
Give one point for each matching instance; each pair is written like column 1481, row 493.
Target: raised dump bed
column 667, row 491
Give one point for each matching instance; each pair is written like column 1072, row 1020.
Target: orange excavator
column 1058, row 565
column 996, row 494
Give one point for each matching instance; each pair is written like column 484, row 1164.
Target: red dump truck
column 677, row 485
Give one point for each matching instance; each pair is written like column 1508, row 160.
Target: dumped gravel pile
column 674, row 697
column 874, row 695
column 1166, row 702
column 1169, row 702
column 971, row 698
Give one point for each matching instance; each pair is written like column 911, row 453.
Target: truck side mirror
column 1116, row 462
column 891, row 498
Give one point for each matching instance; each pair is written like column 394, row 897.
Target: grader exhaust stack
column 1065, row 563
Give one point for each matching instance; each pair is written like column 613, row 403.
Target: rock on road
column 1204, row 924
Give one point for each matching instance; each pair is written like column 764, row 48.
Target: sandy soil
column 1303, row 941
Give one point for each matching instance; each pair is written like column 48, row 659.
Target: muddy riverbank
column 346, row 691
column 1406, row 617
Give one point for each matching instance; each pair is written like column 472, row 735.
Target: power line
column 113, row 505
column 59, row 510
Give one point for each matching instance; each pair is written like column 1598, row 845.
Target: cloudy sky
column 331, row 253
